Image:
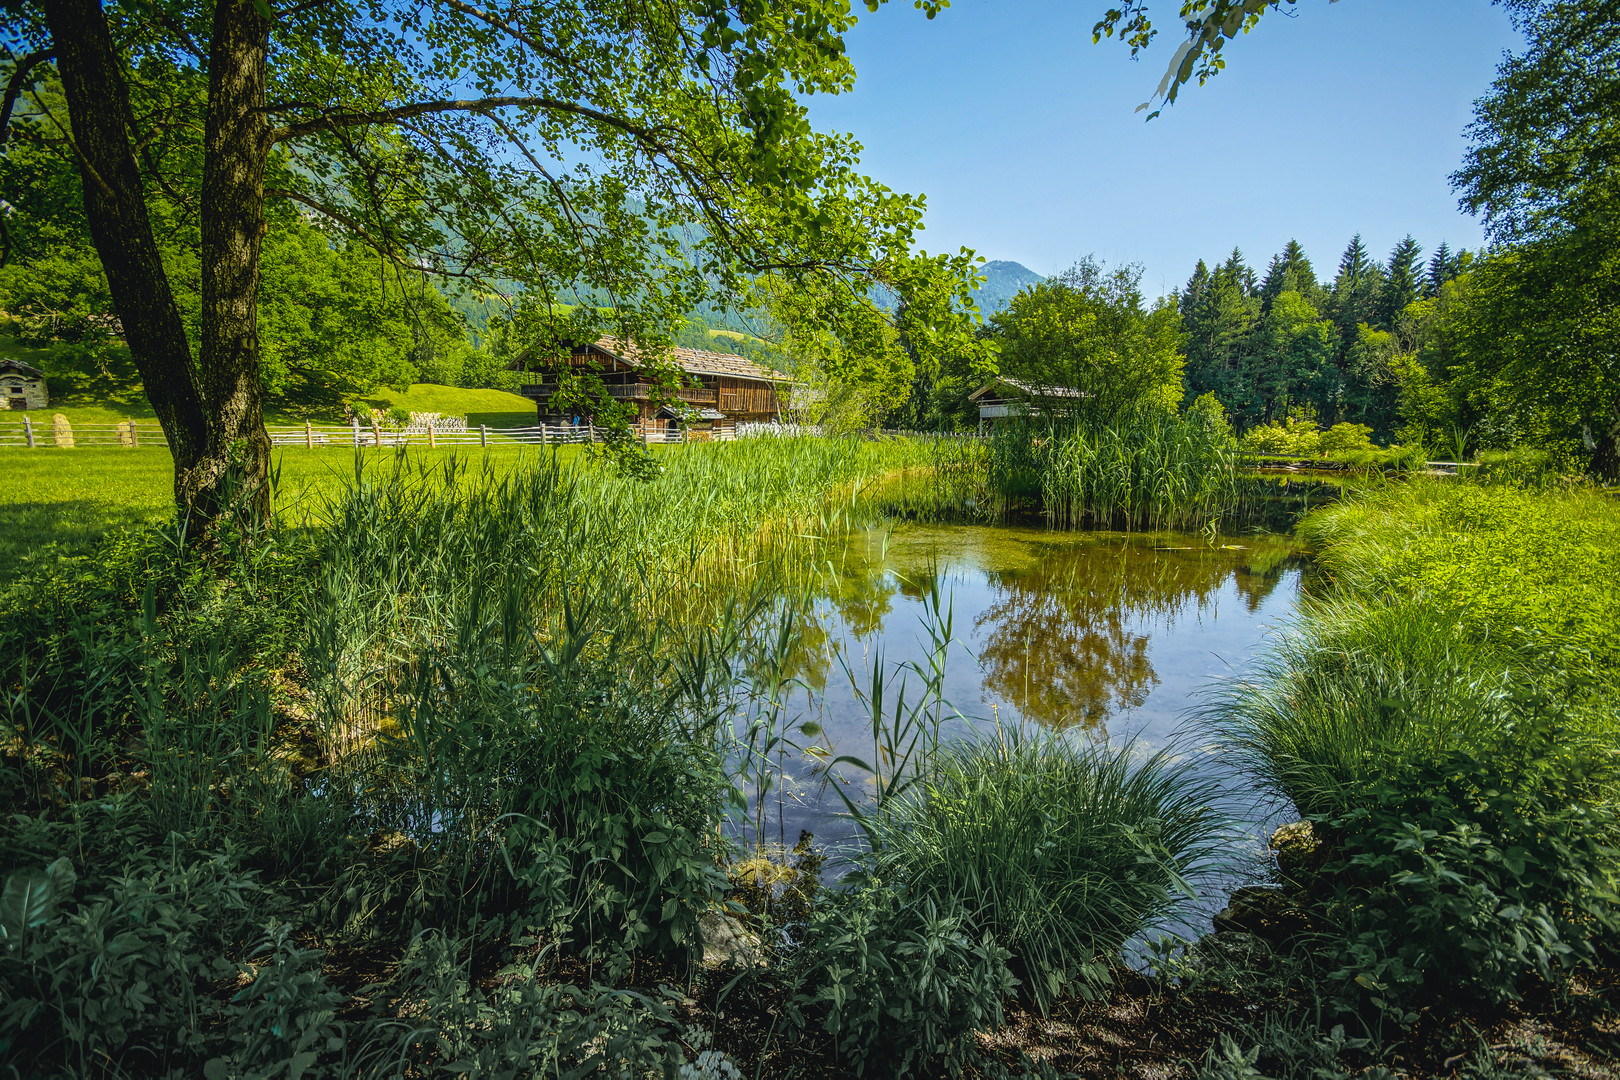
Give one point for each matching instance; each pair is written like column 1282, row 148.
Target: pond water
column 1103, row 636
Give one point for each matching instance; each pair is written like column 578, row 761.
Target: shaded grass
column 63, row 502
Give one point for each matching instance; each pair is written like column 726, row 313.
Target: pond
column 1103, row 636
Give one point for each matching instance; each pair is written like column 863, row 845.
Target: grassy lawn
column 62, row 502
column 495, row 408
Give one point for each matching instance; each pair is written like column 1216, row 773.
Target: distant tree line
column 1289, row 343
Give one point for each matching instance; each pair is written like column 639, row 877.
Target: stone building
column 22, row 386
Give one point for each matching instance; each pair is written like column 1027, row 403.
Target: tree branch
column 15, row 84
column 507, row 28
column 477, row 105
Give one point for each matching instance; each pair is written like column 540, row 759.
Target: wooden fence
column 29, row 433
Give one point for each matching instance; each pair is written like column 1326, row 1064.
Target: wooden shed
column 719, row 389
column 22, row 386
column 1005, row 396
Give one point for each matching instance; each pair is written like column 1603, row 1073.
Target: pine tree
column 1220, row 310
column 1354, row 264
column 1401, row 281
column 1442, row 268
column 1193, row 295
column 1290, row 270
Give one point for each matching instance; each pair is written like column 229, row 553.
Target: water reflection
column 1062, row 622
column 1104, row 635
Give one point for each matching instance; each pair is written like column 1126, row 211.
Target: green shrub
column 1471, row 874
column 112, row 966
column 1296, row 436
column 899, row 982
column 1299, row 436
column 1060, row 852
column 1341, row 438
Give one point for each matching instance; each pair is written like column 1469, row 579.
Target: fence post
column 483, row 434
column 376, row 430
column 28, row 430
column 134, row 436
column 357, row 432
column 591, row 427
column 309, row 437
column 430, row 435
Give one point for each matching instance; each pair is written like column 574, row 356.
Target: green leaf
column 27, row 901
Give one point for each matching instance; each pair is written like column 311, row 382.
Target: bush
column 1060, row 852
column 899, row 982
column 98, row 966
column 1342, row 438
column 1473, row 873
column 1297, row 436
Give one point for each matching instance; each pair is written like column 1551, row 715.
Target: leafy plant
column 1059, row 852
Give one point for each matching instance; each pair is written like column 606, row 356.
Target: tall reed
column 1144, row 468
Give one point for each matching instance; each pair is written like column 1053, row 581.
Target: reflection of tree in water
column 855, row 594
column 1063, row 639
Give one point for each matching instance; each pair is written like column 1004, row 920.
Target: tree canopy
column 621, row 162
column 1089, row 328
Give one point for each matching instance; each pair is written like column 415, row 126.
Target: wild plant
column 1062, row 852
column 1143, row 469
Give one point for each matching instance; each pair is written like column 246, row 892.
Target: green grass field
column 60, row 503
column 493, row 408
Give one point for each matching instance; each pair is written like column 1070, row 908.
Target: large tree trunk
column 212, row 411
column 115, row 205
column 1604, row 464
column 236, row 148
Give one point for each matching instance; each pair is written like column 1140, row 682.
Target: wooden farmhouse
column 22, row 386
column 1005, row 396
column 721, row 388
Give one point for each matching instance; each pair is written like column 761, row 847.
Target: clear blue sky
column 1345, row 118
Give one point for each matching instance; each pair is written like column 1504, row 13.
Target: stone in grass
column 1268, row 914
column 1299, row 852
column 727, row 943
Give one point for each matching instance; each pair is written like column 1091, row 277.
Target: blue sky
column 1345, row 118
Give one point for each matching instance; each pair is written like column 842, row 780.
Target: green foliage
column 1444, row 713
column 1144, row 467
column 1058, row 852
column 900, row 983
column 1088, row 328
column 526, row 1027
column 108, row 963
column 1476, row 872
column 1540, row 341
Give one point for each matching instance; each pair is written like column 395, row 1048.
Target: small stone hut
column 22, row 386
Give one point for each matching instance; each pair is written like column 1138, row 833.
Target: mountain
column 1003, row 281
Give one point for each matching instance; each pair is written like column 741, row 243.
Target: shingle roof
column 696, row 361
column 13, row 364
column 1035, row 390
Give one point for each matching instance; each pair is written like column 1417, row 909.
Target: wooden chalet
column 1005, row 396
column 720, row 389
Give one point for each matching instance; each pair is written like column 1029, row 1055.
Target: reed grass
column 1062, row 851
column 1145, row 468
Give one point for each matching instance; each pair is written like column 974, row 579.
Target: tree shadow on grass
column 38, row 532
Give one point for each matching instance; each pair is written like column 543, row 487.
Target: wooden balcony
column 693, row 395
